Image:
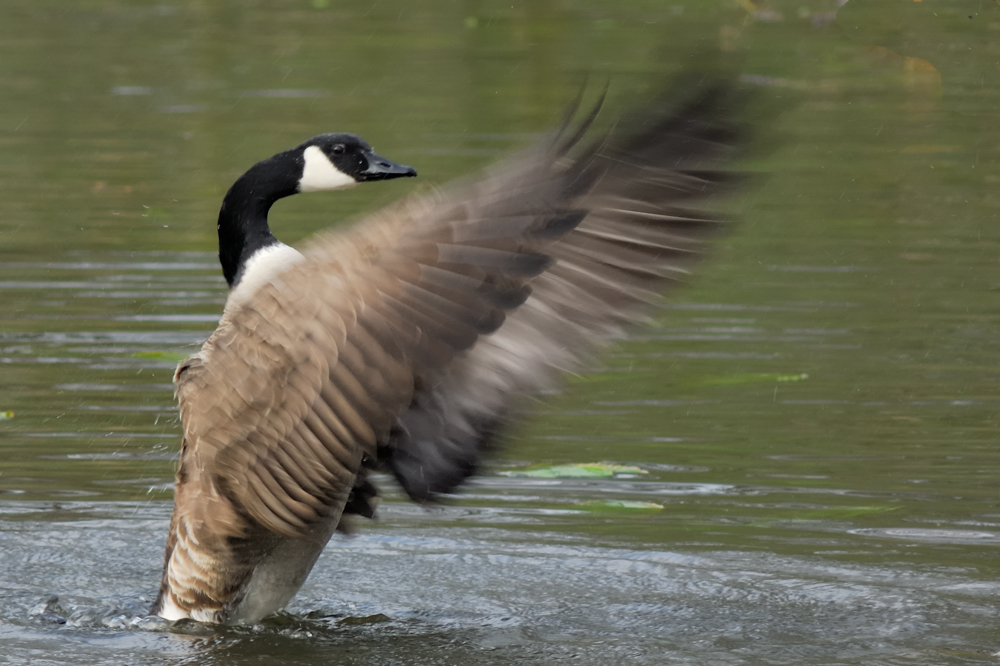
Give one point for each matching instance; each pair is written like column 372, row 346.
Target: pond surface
column 808, row 434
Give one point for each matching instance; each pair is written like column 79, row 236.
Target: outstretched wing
column 408, row 339
column 643, row 198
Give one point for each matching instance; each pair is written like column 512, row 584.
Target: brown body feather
column 407, row 342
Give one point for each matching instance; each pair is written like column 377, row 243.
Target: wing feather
column 647, row 199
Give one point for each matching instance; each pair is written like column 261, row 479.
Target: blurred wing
column 645, row 226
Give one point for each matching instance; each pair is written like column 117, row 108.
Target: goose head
column 337, row 161
column 333, row 161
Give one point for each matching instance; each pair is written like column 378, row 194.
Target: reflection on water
column 815, row 422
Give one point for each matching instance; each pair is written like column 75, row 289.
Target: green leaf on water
column 820, row 514
column 4, row 416
column 750, row 377
column 615, row 506
column 172, row 357
column 835, row 512
column 597, row 470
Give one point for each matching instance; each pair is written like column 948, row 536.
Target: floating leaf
column 602, row 506
column 598, row 470
column 791, row 378
column 4, row 416
column 816, row 514
column 172, row 357
column 847, row 511
column 747, row 378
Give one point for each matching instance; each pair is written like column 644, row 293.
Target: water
column 461, row 587
column 814, row 421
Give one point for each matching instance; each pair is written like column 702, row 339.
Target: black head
column 335, row 161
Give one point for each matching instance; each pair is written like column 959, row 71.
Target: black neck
column 243, row 217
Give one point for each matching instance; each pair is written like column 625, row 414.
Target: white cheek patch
column 320, row 173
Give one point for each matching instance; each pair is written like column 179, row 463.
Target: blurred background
column 797, row 463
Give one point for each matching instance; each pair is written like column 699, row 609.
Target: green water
column 816, row 415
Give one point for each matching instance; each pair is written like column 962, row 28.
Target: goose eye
column 338, row 149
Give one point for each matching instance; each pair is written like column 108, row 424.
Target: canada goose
column 405, row 342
